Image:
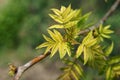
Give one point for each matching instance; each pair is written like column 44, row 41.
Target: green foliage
column 109, row 49
column 86, row 47
column 113, row 68
column 65, row 17
column 67, row 22
column 72, row 71
column 56, row 43
column 104, row 32
column 88, row 50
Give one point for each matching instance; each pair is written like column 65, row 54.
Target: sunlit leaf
column 55, row 35
column 56, row 26
column 91, row 42
column 70, row 24
column 66, row 11
column 74, row 75
column 90, row 49
column 116, row 67
column 55, row 43
column 48, row 48
column 82, row 20
column 87, row 38
column 105, row 36
column 59, row 36
column 106, row 27
column 73, row 71
column 43, row 45
column 78, row 69
column 86, row 56
column 109, row 49
column 108, row 31
column 78, row 14
column 47, row 38
column 62, row 9
column 67, row 48
column 104, row 32
column 64, row 76
column 79, row 50
column 115, row 59
column 70, row 16
column 109, row 73
column 54, row 49
column 56, row 18
column 56, row 11
column 62, row 50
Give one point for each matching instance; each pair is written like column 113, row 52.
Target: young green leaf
column 91, row 43
column 56, row 18
column 62, row 50
column 54, row 49
column 82, row 21
column 67, row 17
column 70, row 24
column 70, row 16
column 79, row 50
column 56, row 26
column 114, row 60
column 86, row 55
column 73, row 71
column 116, row 68
column 87, row 38
column 74, row 75
column 66, row 11
column 104, row 32
column 62, row 9
column 55, row 43
column 56, row 11
column 109, row 49
column 78, row 69
column 109, row 73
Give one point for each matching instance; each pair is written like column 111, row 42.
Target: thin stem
column 22, row 69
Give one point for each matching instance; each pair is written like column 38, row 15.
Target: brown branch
column 22, row 69
column 105, row 17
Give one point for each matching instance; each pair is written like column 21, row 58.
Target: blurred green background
column 22, row 23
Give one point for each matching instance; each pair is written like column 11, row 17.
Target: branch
column 105, row 17
column 22, row 69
